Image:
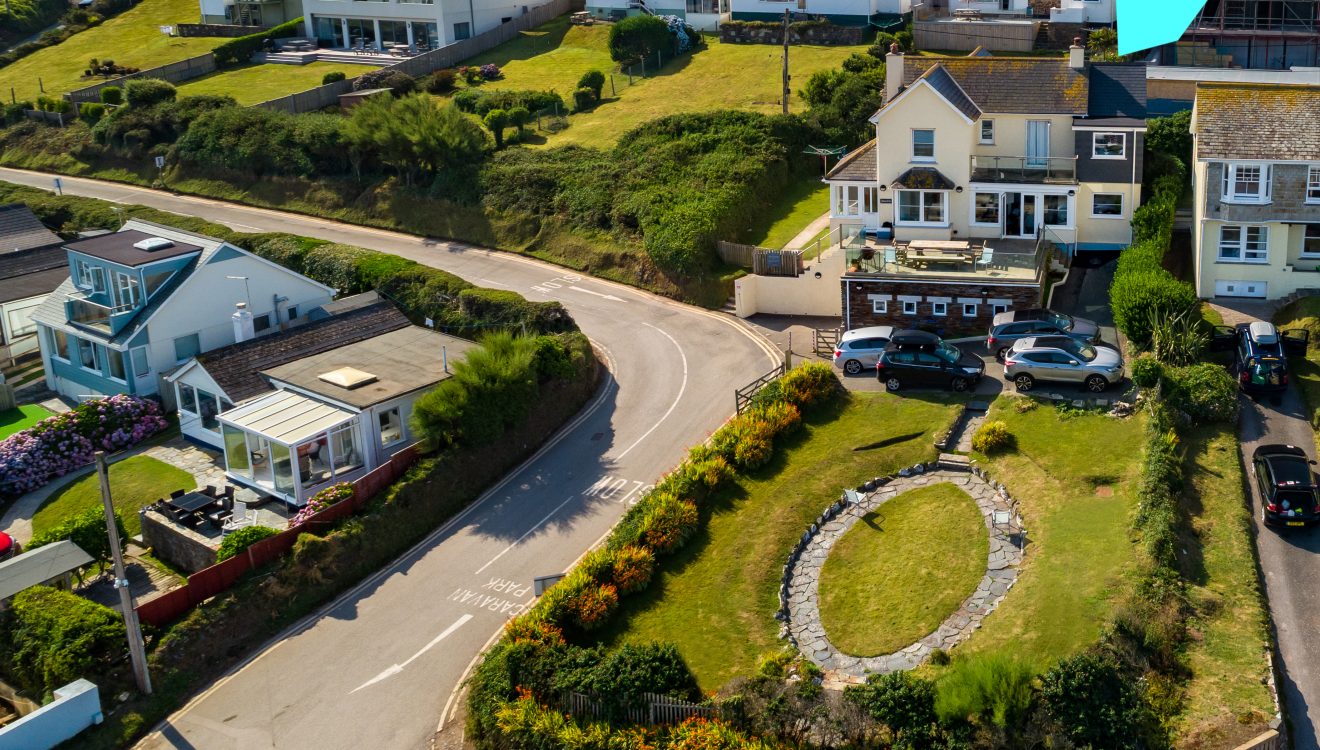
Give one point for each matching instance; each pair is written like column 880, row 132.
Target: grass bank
column 135, row 483
column 792, row 211
column 253, row 84
column 716, row 598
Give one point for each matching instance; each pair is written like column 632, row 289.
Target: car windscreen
column 1062, row 321
column 948, row 353
column 1085, row 351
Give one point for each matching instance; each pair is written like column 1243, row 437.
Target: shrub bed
column 60, row 444
column 240, row 540
column 54, row 637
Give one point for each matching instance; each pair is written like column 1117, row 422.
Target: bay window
column 922, row 206
column 1243, row 244
column 1246, row 183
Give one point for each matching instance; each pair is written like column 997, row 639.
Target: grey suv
column 1012, row 325
column 1064, row 360
column 859, row 348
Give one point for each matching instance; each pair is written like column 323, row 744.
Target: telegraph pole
column 786, row 21
column 136, row 650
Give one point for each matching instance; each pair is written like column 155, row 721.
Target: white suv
column 859, row 349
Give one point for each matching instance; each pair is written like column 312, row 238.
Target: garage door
column 1240, row 289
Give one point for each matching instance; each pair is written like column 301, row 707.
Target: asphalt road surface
column 1291, row 566
column 380, row 666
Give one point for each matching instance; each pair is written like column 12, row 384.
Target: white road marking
column 397, row 668
column 524, row 536
column 682, row 388
column 598, row 294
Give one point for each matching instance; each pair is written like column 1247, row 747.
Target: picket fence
column 175, row 72
column 218, row 578
column 652, row 709
column 448, row 56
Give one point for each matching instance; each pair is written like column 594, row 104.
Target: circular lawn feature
column 902, row 569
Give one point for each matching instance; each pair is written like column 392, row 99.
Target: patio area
column 990, row 260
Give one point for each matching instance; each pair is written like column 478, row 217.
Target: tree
column 594, row 80
column 1103, row 45
column 496, row 121
column 414, row 134
column 903, row 703
column 1171, row 136
column 639, row 37
column 519, row 117
column 1094, row 703
column 840, row 103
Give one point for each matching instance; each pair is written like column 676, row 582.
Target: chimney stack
column 243, row 327
column 1077, row 54
column 893, row 72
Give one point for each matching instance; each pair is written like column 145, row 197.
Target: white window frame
column 1305, row 229
column 999, row 209
column 403, row 426
column 1067, row 211
column 1095, row 146
column 1122, row 206
column 126, row 284
column 92, row 345
column 1242, row 244
column 990, row 125
column 939, row 309
column 969, row 309
column 909, row 307
column 997, row 307
column 178, row 396
column 880, row 306
column 921, row 209
column 917, row 157
column 1313, row 184
column 1264, row 179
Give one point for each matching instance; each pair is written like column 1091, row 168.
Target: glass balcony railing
column 84, row 312
column 1028, row 169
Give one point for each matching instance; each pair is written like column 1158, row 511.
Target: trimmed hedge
column 54, row 637
column 1143, row 292
column 239, row 51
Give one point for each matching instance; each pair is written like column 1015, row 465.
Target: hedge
column 54, row 637
column 237, row 541
column 239, row 51
column 87, row 530
column 1142, row 290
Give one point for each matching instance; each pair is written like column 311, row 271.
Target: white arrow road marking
column 598, row 294
column 397, row 668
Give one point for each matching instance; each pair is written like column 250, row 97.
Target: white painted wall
column 191, row 424
column 801, row 295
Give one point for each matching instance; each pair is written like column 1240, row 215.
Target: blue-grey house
column 141, row 301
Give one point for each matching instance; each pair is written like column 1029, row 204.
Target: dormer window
column 1108, row 146
column 1246, row 183
column 89, row 276
column 127, row 292
column 923, row 145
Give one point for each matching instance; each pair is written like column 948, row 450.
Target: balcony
column 989, row 261
column 1025, row 169
column 106, row 319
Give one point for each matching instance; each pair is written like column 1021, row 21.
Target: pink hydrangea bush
column 320, row 501
column 60, row 444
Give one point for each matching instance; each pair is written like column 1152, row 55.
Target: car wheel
column 852, row 367
column 892, row 384
column 1024, row 382
column 1096, row 384
column 959, row 384
column 1002, row 354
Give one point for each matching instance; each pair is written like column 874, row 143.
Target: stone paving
column 804, row 628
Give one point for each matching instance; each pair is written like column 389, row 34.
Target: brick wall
column 1288, row 191
column 859, row 296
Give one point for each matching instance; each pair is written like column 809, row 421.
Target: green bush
column 860, row 63
column 1178, row 338
column 91, row 112
column 334, row 76
column 637, row 37
column 1140, row 297
column 239, row 51
column 439, row 82
column 54, row 637
column 993, row 688
column 1093, row 702
column 492, row 388
column 496, row 121
column 481, row 101
column 144, row 92
column 624, row 675
column 880, row 44
column 992, row 437
column 112, row 95
column 810, row 384
column 902, row 702
column 904, row 39
column 1206, row 392
column 237, row 541
column 87, row 530
column 266, row 142
column 594, row 80
column 1146, row 370
column 583, row 100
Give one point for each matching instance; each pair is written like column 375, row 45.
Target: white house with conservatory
column 1256, row 176
column 143, row 300
column 420, row 24
column 986, row 148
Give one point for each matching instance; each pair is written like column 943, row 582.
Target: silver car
column 1064, row 360
column 859, row 348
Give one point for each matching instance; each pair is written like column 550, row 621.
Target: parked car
column 1062, row 359
column 1011, row 325
column 1288, row 492
column 924, row 359
column 859, row 348
column 1260, row 354
column 8, row 547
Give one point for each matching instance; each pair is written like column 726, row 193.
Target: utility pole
column 786, row 21
column 136, row 650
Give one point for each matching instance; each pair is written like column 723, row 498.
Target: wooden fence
column 1271, row 740
column 742, row 397
column 763, row 261
column 653, row 709
column 175, row 72
column 444, row 57
column 218, row 578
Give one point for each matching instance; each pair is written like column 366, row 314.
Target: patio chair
column 987, row 257
column 209, row 490
column 175, row 495
column 240, row 517
column 218, row 518
column 891, row 256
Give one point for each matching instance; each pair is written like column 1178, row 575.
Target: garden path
column 804, row 625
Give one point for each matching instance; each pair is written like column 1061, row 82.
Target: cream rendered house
column 1257, row 189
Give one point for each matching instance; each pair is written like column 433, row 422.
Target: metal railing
column 84, row 312
column 1024, row 169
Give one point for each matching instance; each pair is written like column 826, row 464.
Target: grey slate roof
column 37, row 566
column 20, row 229
column 923, row 178
column 1269, row 122
column 237, row 368
column 943, row 82
column 32, row 272
column 1009, row 85
column 1118, row 90
column 859, row 166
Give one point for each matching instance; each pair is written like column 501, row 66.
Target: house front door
column 1038, row 143
column 1020, row 214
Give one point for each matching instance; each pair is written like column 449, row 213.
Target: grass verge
column 902, row 569
column 716, row 598
column 793, row 211
column 135, row 483
column 253, row 84
column 21, row 418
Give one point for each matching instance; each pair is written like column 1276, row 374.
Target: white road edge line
column 397, row 668
column 681, row 390
column 529, row 532
column 279, row 638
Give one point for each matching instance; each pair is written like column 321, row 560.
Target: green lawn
column 895, row 576
column 795, row 209
column 132, row 38
column 253, row 84
column 1078, row 553
column 1226, row 701
column 134, row 483
column 552, row 56
column 716, row 599
column 21, row 418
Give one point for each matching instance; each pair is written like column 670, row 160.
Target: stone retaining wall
column 184, row 549
column 764, row 32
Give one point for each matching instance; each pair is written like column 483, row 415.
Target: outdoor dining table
column 940, row 245
column 191, row 502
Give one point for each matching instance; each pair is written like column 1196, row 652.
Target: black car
column 1260, row 354
column 917, row 358
column 1011, row 325
column 1288, row 492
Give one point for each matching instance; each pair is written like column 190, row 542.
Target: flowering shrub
column 57, row 445
column 320, row 501
column 747, row 441
column 704, row 471
column 809, row 384
column 491, row 72
column 594, row 604
column 533, row 630
column 633, row 567
column 680, row 32
column 783, row 417
column 668, row 523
